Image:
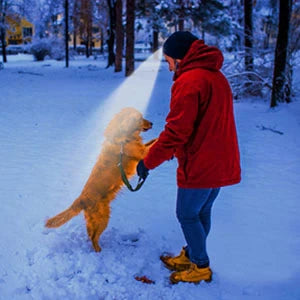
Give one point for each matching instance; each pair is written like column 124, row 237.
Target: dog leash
column 124, row 177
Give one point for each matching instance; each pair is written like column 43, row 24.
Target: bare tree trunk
column 248, row 31
column 3, row 7
column 181, row 24
column 119, row 36
column 67, row 32
column 111, row 32
column 75, row 23
column 155, row 41
column 181, row 16
column 74, row 40
column 102, row 40
column 88, row 44
column 289, row 80
column 87, row 52
column 86, row 22
column 294, row 45
column 90, row 28
column 130, row 18
column 91, row 42
column 282, row 45
column 3, row 41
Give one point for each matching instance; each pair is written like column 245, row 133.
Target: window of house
column 27, row 31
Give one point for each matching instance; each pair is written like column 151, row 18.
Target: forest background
column 263, row 36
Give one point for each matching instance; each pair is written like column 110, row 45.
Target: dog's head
column 126, row 125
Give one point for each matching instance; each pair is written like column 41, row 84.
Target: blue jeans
column 194, row 213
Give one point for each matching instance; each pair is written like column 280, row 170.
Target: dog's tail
column 65, row 215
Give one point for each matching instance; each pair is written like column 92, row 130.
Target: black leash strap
column 124, row 177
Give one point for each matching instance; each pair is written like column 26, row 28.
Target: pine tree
column 269, row 22
column 237, row 24
column 211, row 16
column 175, row 13
column 154, row 12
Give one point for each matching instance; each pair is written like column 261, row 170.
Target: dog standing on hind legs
column 121, row 134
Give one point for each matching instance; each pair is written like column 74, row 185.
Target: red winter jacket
column 200, row 128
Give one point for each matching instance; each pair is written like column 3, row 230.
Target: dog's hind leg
column 96, row 221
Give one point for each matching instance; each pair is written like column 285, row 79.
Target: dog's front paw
column 150, row 143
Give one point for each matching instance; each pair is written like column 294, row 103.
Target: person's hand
column 141, row 170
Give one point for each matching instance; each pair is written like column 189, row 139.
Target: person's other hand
column 141, row 170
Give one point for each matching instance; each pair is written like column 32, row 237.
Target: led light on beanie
column 178, row 44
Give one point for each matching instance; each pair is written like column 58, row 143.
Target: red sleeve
column 179, row 124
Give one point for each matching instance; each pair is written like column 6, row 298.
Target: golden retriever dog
column 105, row 180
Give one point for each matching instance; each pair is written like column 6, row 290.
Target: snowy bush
column 72, row 53
column 40, row 48
column 57, row 51
column 255, row 83
column 53, row 47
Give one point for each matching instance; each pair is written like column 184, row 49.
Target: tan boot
column 193, row 274
column 177, row 263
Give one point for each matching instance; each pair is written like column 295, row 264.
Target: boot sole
column 175, row 281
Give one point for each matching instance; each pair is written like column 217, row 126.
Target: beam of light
column 135, row 92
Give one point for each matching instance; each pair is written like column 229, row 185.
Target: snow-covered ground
column 50, row 135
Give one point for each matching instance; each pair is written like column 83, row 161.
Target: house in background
column 75, row 38
column 81, row 38
column 19, row 31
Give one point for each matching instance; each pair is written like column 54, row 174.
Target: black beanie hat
column 178, row 44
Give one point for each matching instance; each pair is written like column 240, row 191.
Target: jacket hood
column 200, row 56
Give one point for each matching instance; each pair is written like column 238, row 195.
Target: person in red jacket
column 200, row 132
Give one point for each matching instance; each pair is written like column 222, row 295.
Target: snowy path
column 48, row 143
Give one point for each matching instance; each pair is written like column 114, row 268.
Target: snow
column 50, row 135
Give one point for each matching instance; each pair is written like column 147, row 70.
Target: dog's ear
column 112, row 129
column 131, row 124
